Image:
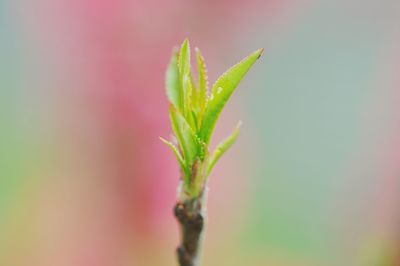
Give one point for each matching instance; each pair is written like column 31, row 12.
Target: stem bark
column 190, row 214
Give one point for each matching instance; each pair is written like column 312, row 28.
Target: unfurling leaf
column 222, row 91
column 195, row 95
column 184, row 76
column 177, row 154
column 186, row 137
column 184, row 58
column 203, row 83
column 173, row 84
column 223, row 147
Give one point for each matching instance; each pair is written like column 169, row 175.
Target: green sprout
column 194, row 111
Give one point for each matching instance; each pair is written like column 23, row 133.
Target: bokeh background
column 314, row 178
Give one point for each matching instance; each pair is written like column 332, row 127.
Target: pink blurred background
column 313, row 179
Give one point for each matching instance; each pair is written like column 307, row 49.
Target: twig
column 191, row 221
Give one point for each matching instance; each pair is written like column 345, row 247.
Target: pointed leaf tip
column 259, row 52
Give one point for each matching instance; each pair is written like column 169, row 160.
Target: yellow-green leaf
column 184, row 58
column 223, row 147
column 203, row 82
column 177, row 154
column 185, row 135
column 195, row 96
column 184, row 76
column 222, row 91
column 173, row 85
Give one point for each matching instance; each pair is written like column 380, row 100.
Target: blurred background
column 314, row 178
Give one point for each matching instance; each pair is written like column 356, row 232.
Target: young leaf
column 185, row 135
column 194, row 119
column 173, row 84
column 222, row 91
column 223, row 147
column 203, row 82
column 189, row 104
column 195, row 95
column 177, row 154
column 184, row 58
column 184, row 75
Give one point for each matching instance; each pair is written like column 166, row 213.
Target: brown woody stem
column 189, row 214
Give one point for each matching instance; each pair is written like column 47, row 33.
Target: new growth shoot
column 194, row 111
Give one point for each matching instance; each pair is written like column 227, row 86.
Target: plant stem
column 190, row 213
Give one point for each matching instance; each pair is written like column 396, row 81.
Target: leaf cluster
column 194, row 111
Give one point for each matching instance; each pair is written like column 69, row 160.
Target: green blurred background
column 312, row 180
